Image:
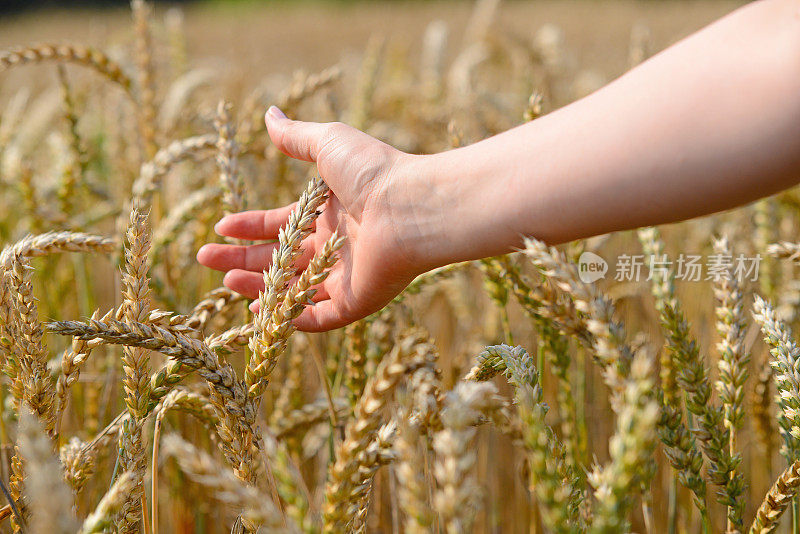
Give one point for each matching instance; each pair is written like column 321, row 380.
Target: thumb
column 298, row 139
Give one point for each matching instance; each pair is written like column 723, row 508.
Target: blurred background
column 260, row 38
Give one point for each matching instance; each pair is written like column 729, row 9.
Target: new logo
column 591, row 267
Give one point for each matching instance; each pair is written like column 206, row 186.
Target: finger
column 245, row 283
column 256, row 224
column 324, row 316
column 320, row 294
column 254, row 258
column 298, row 139
column 250, row 284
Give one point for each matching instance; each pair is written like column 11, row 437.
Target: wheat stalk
column 295, row 496
column 79, row 55
column 143, row 57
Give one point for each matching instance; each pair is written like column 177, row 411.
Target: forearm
column 711, row 123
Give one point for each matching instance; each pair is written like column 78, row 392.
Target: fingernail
column 276, row 113
column 254, row 306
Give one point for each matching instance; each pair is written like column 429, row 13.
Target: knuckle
column 290, row 131
column 332, row 130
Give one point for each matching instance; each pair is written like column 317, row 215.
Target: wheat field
column 502, row 395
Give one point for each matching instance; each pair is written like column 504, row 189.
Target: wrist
column 447, row 213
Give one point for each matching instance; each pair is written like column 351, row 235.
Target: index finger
column 254, row 224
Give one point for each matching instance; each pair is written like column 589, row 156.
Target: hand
column 375, row 263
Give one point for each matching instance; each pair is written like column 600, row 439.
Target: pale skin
column 709, row 124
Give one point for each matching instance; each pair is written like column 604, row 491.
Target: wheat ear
column 361, row 103
column 271, row 327
column 457, row 498
column 785, row 250
column 202, row 468
column 33, row 379
column 631, row 446
column 409, row 354
column 73, row 173
column 50, row 500
column 295, row 300
column 733, row 366
column 236, row 412
column 135, row 362
column 34, row 246
column 71, row 363
column 763, row 421
column 233, row 200
column 785, row 364
column 152, row 172
column 411, row 467
column 297, row 421
column 550, row 480
column 178, row 217
column 214, row 302
column 777, row 500
column 378, row 453
column 303, row 87
column 79, row 55
column 712, row 434
column 611, row 351
column 356, row 362
column 103, row 515
column 681, row 449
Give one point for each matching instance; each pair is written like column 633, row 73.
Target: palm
column 370, row 270
column 364, row 279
